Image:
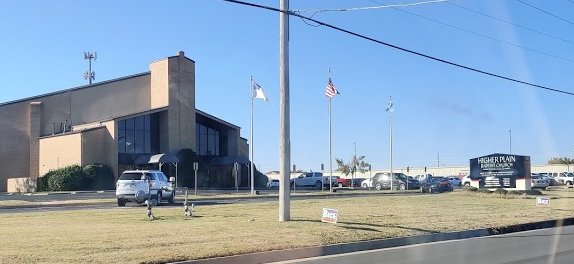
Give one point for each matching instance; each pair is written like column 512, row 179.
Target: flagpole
column 251, row 140
column 330, row 151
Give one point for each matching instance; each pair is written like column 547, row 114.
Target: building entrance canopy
column 159, row 158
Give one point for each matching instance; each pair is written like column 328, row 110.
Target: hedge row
column 76, row 178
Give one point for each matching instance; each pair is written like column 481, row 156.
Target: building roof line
column 217, row 119
column 75, row 88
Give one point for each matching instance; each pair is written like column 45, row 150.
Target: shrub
column 483, row 190
column 42, row 182
column 469, row 189
column 98, row 177
column 501, row 191
column 70, row 178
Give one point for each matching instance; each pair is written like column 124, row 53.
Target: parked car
column 466, row 180
column 382, row 180
column 311, row 179
column 538, row 181
column 342, row 182
column 455, row 181
column 357, row 182
column 437, row 185
column 141, row 185
column 424, row 178
column 273, row 184
column 367, row 183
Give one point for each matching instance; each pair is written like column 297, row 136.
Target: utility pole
column 437, row 160
column 284, row 126
column 90, row 75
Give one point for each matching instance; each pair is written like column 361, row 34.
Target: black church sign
column 499, row 170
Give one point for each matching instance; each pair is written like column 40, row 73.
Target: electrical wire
column 512, row 23
column 291, row 13
column 370, row 7
column 546, row 12
column 486, row 36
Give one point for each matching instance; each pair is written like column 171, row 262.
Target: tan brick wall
column 173, row 84
column 60, row 151
column 95, row 144
column 159, row 83
column 21, row 185
column 34, row 134
column 14, row 143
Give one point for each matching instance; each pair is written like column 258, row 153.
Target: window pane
column 211, row 146
column 202, row 130
column 202, row 144
column 139, row 141
column 129, row 124
column 147, row 142
column 122, row 124
column 139, row 123
column 122, row 145
column 147, row 123
column 216, row 145
column 130, row 141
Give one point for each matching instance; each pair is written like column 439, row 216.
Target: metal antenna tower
column 90, row 75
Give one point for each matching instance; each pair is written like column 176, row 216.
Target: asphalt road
column 552, row 246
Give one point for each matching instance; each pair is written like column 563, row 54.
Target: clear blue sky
column 439, row 109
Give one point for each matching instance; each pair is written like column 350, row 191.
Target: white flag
column 390, row 107
column 258, row 92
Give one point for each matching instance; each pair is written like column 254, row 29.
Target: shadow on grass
column 368, row 227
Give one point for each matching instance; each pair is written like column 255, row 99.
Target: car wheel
column 340, row 185
column 172, row 198
column 159, row 197
column 568, row 184
column 378, row 187
column 364, row 186
column 318, row 185
column 467, row 184
column 402, row 187
column 121, row 202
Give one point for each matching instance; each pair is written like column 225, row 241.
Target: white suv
column 141, row 185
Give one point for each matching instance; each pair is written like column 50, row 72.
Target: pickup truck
column 341, row 182
column 311, row 179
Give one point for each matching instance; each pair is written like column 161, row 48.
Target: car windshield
column 131, row 176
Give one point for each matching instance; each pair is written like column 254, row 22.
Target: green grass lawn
column 125, row 235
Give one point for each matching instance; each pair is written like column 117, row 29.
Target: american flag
column 330, row 90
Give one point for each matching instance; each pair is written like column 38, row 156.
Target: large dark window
column 138, row 135
column 207, row 139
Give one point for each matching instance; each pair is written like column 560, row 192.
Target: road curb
column 316, row 251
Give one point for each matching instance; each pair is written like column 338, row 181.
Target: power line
column 546, row 12
column 486, row 36
column 400, row 48
column 512, row 23
column 370, row 7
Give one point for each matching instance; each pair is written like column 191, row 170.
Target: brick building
column 112, row 123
